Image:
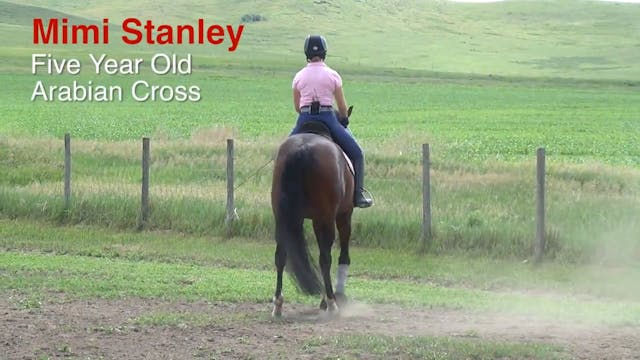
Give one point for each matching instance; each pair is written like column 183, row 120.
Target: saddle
column 316, row 127
column 319, row 128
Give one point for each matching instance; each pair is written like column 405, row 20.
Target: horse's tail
column 289, row 223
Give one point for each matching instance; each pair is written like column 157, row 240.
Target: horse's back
column 316, row 142
column 317, row 149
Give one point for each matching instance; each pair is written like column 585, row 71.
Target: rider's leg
column 360, row 199
column 348, row 143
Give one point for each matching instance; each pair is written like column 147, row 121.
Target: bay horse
column 312, row 179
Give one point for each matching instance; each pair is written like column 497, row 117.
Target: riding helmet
column 315, row 45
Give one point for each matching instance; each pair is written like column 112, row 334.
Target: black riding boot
column 360, row 199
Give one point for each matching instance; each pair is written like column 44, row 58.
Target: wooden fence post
column 426, row 198
column 540, row 227
column 67, row 171
column 230, row 206
column 144, row 203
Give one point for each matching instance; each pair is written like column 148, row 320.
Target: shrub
column 247, row 18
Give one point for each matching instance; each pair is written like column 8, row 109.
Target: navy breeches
column 340, row 134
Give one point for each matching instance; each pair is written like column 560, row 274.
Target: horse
column 312, row 180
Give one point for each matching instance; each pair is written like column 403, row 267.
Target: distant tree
column 247, row 18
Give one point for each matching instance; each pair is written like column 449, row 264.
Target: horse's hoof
column 277, row 307
column 341, row 299
column 323, row 304
column 332, row 306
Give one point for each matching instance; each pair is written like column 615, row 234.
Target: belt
column 323, row 108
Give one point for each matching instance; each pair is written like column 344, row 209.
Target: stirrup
column 361, row 201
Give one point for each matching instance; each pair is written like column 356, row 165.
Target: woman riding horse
column 314, row 88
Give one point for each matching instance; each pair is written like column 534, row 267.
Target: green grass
column 174, row 319
column 423, row 347
column 115, row 264
column 605, row 280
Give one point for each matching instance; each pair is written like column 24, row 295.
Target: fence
column 231, row 215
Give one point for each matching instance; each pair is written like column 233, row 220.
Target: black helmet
column 315, row 45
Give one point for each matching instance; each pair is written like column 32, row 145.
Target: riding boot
column 360, row 199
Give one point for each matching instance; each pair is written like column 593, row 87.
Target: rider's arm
column 342, row 103
column 296, row 100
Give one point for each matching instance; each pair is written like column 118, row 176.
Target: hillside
column 569, row 39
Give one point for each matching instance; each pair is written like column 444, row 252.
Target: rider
column 314, row 88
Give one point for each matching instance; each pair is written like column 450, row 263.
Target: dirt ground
column 94, row 329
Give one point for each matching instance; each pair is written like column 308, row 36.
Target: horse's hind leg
column 325, row 234
column 278, row 300
column 343, row 222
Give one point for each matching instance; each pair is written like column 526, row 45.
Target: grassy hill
column 560, row 39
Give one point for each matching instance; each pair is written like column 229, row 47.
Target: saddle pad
column 349, row 163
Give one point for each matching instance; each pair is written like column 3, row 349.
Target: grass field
column 484, row 84
column 483, row 139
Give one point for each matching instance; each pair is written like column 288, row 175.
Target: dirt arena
column 93, row 329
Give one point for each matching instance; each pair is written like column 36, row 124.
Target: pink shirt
column 316, row 81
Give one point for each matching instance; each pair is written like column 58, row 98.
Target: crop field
column 485, row 85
